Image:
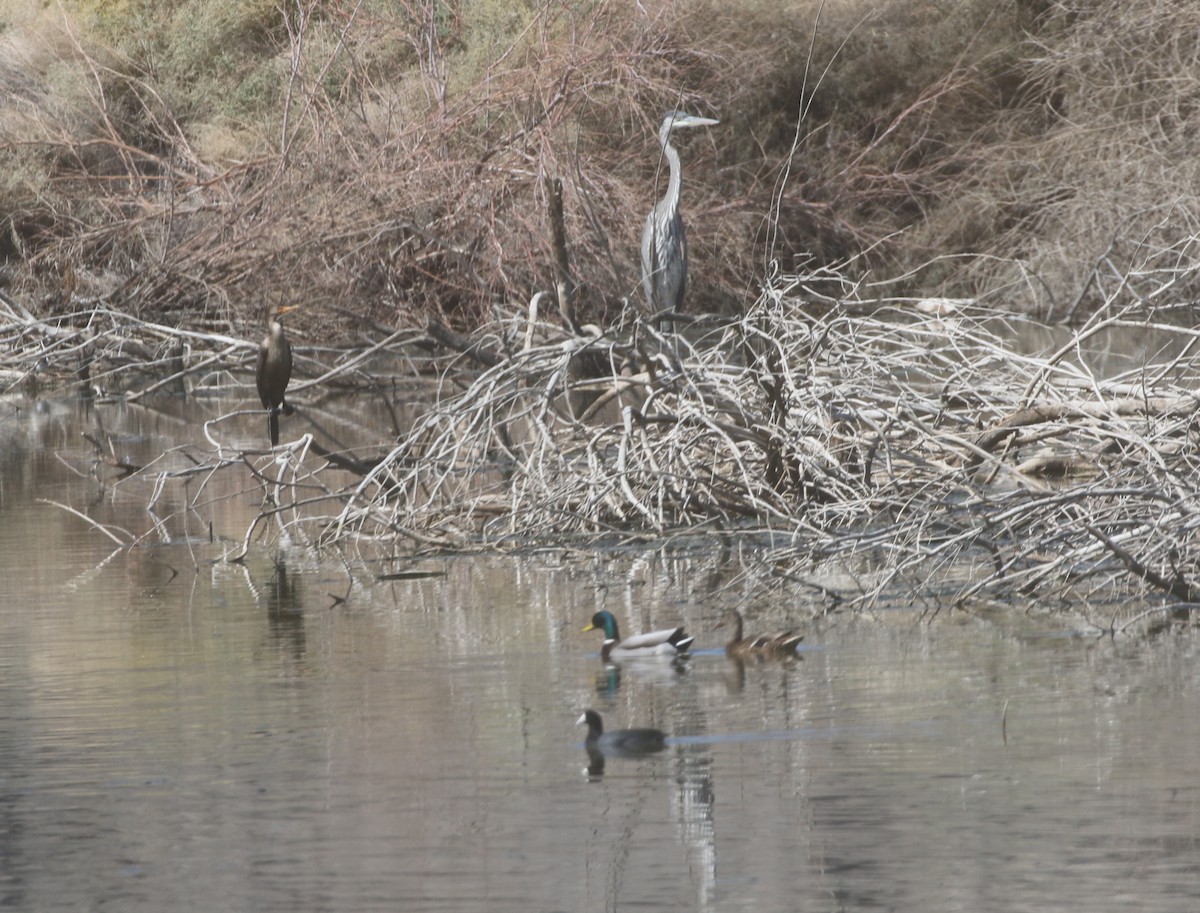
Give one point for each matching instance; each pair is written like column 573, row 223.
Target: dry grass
column 389, row 159
column 1083, row 182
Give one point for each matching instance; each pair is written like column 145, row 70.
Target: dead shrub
column 1084, row 182
column 389, row 158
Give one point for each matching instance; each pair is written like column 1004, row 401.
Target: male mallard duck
column 667, row 642
column 619, row 742
column 782, row 644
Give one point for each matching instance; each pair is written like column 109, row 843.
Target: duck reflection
column 608, row 680
column 735, row 678
column 596, row 761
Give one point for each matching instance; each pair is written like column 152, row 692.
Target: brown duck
column 760, row 645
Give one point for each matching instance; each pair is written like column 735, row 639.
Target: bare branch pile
column 915, row 441
column 886, row 448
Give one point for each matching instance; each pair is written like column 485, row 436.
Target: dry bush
column 389, row 158
column 1085, row 181
column 386, row 161
column 397, row 171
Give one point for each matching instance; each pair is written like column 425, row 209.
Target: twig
column 99, row 527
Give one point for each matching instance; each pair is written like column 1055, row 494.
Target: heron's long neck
column 675, row 182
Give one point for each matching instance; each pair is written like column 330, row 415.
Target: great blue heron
column 274, row 369
column 664, row 243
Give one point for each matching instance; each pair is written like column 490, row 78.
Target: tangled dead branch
column 886, row 448
column 926, row 449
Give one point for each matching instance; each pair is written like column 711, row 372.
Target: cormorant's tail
column 273, row 426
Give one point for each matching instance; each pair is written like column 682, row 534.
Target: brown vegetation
column 386, row 161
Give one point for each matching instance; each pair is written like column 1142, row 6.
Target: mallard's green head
column 606, row 621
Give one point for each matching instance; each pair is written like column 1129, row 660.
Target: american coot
column 761, row 645
column 667, row 642
column 620, row 742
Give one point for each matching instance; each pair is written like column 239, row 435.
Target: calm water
column 180, row 733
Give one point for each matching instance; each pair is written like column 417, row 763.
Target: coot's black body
column 620, row 742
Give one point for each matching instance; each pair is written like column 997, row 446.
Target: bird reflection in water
column 285, row 612
column 735, row 679
column 608, row 680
